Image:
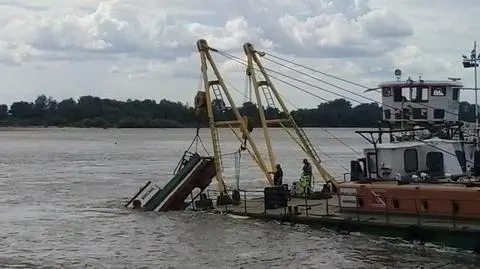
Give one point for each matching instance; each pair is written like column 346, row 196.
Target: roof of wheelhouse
column 410, row 144
column 406, row 83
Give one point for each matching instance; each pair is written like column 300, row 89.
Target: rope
column 324, row 81
column 241, row 61
column 343, row 143
column 198, row 139
column 298, row 80
column 338, row 78
column 234, row 58
column 196, row 144
column 317, row 71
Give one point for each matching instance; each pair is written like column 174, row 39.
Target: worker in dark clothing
column 277, row 176
column 307, row 176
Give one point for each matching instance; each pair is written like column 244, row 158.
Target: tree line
column 90, row 111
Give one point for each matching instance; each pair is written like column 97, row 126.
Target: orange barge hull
column 412, row 199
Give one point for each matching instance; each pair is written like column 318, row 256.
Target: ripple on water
column 61, row 206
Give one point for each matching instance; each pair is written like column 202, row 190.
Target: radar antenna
column 398, row 74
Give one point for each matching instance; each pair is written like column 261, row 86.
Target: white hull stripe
column 173, row 192
column 150, row 192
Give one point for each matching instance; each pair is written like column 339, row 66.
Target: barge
column 418, row 180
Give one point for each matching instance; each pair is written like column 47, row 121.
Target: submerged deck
column 325, row 213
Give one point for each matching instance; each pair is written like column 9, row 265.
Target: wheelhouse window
column 386, row 91
column 387, row 114
column 410, row 159
column 420, row 113
column 456, row 93
column 438, row 113
column 406, row 94
column 420, row 94
column 438, row 91
column 402, row 113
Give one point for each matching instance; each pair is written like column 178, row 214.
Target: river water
column 63, row 190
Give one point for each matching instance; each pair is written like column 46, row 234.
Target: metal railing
column 393, row 212
column 253, row 201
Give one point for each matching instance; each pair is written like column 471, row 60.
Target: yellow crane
column 253, row 63
column 216, row 87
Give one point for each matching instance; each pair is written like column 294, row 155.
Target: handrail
column 330, row 208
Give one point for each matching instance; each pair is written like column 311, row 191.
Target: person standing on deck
column 307, row 176
column 277, row 175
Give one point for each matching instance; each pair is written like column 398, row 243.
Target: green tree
column 91, row 111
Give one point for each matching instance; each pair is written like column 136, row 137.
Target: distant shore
column 95, row 112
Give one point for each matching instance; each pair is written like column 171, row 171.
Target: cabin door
column 435, row 164
column 372, row 165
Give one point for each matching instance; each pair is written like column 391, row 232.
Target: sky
column 145, row 49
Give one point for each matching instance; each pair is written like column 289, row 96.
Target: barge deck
column 451, row 232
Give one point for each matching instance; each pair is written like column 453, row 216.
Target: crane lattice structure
column 213, row 91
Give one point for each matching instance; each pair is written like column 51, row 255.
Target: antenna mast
column 469, row 63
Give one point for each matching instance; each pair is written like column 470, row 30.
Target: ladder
column 216, row 137
column 219, row 98
column 268, row 97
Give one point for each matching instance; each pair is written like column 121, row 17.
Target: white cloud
column 133, row 46
column 14, row 54
column 383, row 23
column 128, row 27
column 417, row 61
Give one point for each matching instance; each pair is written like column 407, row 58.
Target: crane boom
column 218, row 86
column 252, row 56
